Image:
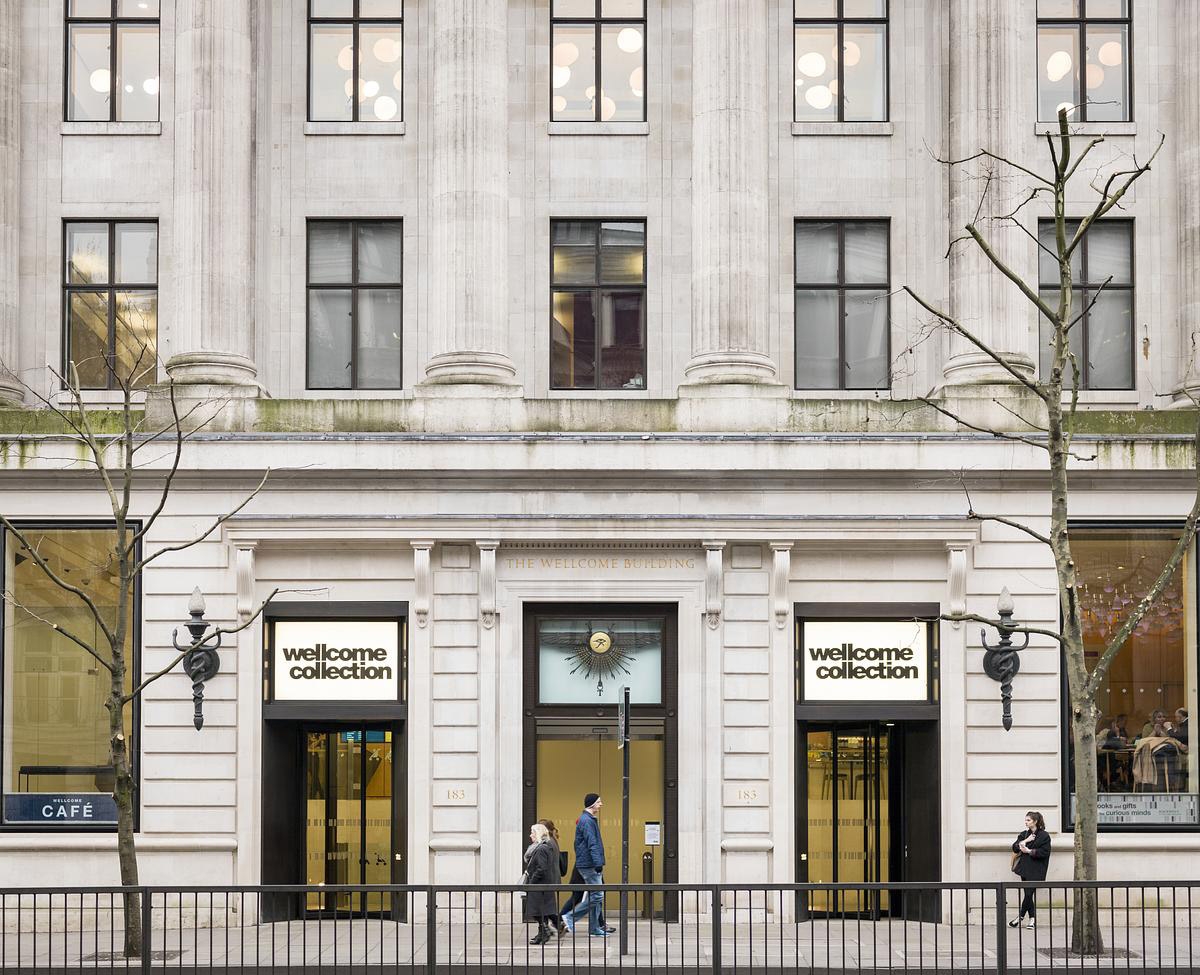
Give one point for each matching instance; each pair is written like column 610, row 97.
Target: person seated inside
column 1113, row 733
column 1179, row 731
column 1157, row 726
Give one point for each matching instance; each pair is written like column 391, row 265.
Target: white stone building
column 563, row 392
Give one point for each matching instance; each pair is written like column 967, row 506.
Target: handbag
column 562, row 863
column 1013, row 863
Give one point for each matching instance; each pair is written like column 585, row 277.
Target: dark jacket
column 542, row 869
column 1032, row 865
column 589, row 847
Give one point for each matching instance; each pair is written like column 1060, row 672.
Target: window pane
column 136, row 336
column 816, row 73
column 1109, row 252
column 329, row 351
column 622, row 340
column 574, row 8
column 1110, row 341
column 623, row 87
column 1107, row 8
column 574, row 74
column 380, row 75
column 333, row 8
column 865, row 73
column 866, row 253
column 1074, row 338
column 1107, row 73
column 622, row 8
column 573, row 341
column 816, row 339
column 137, row 74
column 331, row 63
column 90, row 8
column 812, row 9
column 865, row 8
column 1058, row 8
column 816, row 252
column 137, row 8
column 564, row 674
column 136, row 253
column 573, row 258
column 87, row 253
column 381, row 8
column 1048, row 262
column 379, row 318
column 866, row 340
column 1058, row 71
column 622, row 253
column 379, row 252
column 1147, row 771
column 329, row 252
column 88, row 80
column 87, row 338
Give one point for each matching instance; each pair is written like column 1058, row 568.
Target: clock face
column 600, row 642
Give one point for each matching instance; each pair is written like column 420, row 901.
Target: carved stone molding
column 243, row 555
column 421, row 550
column 487, row 583
column 956, row 575
column 781, row 569
column 713, row 601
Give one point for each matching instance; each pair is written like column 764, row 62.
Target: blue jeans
column 593, row 901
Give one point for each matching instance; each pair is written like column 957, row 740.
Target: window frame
column 841, row 287
column 113, row 20
column 1065, row 766
column 135, row 666
column 1086, row 290
column 1081, row 23
column 354, row 286
column 110, row 290
column 355, row 22
column 596, row 290
column 839, row 21
column 598, row 22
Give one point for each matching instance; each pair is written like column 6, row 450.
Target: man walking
column 589, row 859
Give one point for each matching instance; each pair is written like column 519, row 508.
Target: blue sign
column 58, row 809
column 356, row 737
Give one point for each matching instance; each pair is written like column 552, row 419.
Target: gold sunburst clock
column 600, row 657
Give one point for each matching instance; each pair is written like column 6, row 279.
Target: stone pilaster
column 10, row 198
column 468, row 219
column 988, row 110
column 1187, row 139
column 730, row 230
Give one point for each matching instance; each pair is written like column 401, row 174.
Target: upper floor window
column 842, row 335
column 598, row 304
column 598, row 60
column 355, row 60
column 354, row 304
column 841, row 60
column 110, row 302
column 1094, row 87
column 1102, row 340
column 112, row 61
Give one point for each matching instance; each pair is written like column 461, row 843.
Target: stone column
column 1187, row 139
column 731, row 232
column 10, row 198
column 212, row 234
column 988, row 110
column 468, row 213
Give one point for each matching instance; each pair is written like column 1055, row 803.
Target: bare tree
column 1057, row 401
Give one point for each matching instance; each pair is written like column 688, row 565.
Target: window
column 598, row 304
column 1099, row 28
column 355, row 46
column 1146, row 765
column 842, row 305
column 110, row 302
column 852, row 86
column 598, row 46
column 112, row 61
column 355, row 304
column 56, row 765
column 1105, row 332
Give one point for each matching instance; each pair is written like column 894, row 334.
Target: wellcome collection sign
column 336, row 660
column 865, row 660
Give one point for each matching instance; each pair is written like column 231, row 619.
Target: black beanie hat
column 590, row 799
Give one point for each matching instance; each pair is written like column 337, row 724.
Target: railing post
column 147, row 932
column 716, row 930
column 430, row 931
column 1001, row 933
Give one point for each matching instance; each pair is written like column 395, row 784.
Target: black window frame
column 354, row 286
column 355, row 22
column 841, row 286
column 135, row 666
column 110, row 289
column 1081, row 23
column 1085, row 290
column 596, row 290
column 113, row 21
column 839, row 21
column 599, row 22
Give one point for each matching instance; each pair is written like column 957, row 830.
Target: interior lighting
column 1095, row 76
column 636, row 82
column 385, row 108
column 1110, row 54
column 345, row 58
column 99, row 80
column 819, row 97
column 1058, row 65
column 853, row 54
column 560, row 103
column 562, row 74
column 150, row 86
column 565, row 54
column 629, row 40
column 386, row 50
column 811, row 64
column 608, row 108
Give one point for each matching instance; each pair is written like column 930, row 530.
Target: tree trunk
column 1086, row 936
column 118, row 750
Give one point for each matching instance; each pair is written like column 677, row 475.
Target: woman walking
column 1031, row 858
column 560, row 864
column 541, row 868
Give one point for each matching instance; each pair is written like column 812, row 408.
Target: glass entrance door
column 849, row 807
column 349, row 786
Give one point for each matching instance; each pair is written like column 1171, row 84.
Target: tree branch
column 58, row 628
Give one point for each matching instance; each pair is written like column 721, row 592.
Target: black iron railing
column 812, row 928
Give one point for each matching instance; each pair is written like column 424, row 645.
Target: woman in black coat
column 1032, row 848
column 542, row 868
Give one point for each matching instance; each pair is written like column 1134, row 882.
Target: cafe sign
column 864, row 660
column 335, row 660
column 60, row 809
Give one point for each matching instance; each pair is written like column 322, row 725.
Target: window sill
column 354, row 128
column 1121, row 399
column 849, row 394
column 599, row 128
column 344, row 395
column 110, row 128
column 842, row 128
column 599, row 394
column 1088, row 128
column 99, row 398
